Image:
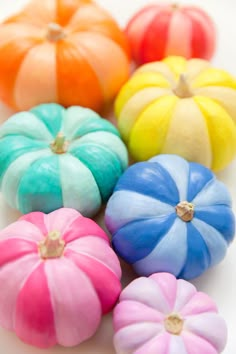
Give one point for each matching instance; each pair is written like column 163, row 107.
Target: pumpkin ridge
column 93, row 200
column 163, row 37
column 205, row 187
column 11, row 258
column 165, row 251
column 78, row 260
column 52, row 120
column 33, row 157
column 176, row 64
column 123, row 127
column 37, row 319
column 195, row 242
column 30, row 272
column 214, row 241
column 27, row 179
column 136, row 130
column 138, row 301
column 76, row 58
column 96, row 65
column 127, row 180
column 144, row 248
column 19, row 153
column 105, row 134
column 138, row 346
column 14, row 63
column 62, row 273
column 215, row 134
column 202, row 214
column 65, row 11
column 206, row 24
column 28, row 261
column 90, row 161
column 139, row 81
column 202, row 338
column 89, row 256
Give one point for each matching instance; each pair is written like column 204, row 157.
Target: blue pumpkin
column 168, row 215
column 52, row 157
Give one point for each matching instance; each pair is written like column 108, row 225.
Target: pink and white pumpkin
column 161, row 30
column 163, row 315
column 58, row 275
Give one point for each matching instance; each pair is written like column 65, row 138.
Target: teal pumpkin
column 52, row 157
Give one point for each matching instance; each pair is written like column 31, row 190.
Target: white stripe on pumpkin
column 79, row 188
column 164, row 256
column 34, row 85
column 14, row 173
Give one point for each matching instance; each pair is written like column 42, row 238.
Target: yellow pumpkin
column 179, row 107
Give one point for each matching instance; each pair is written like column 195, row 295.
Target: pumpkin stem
column 174, row 324
column 55, row 32
column 59, row 145
column 182, row 89
column 185, row 211
column 175, row 6
column 52, row 246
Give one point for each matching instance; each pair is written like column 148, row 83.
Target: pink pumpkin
column 58, row 276
column 160, row 30
column 163, row 315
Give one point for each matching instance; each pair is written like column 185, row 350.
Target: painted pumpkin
column 69, row 52
column 158, row 30
column 52, row 157
column 163, row 315
column 52, row 293
column 177, row 217
column 180, row 107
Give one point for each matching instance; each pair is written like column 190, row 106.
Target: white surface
column 218, row 282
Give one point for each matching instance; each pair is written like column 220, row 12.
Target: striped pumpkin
column 163, row 315
column 67, row 51
column 179, row 107
column 52, row 157
column 177, row 217
column 51, row 293
column 158, row 30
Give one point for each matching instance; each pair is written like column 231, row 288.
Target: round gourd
column 51, row 157
column 179, row 107
column 159, row 30
column 177, row 217
column 69, row 52
column 59, row 274
column 163, row 315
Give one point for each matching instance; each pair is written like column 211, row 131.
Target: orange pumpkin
column 67, row 51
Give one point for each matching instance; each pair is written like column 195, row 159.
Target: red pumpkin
column 158, row 31
column 63, row 51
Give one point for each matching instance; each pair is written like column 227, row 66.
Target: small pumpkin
column 179, row 107
column 51, row 157
column 159, row 30
column 177, row 217
column 52, row 293
column 163, row 315
column 69, row 52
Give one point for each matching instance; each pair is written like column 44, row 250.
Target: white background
column 219, row 282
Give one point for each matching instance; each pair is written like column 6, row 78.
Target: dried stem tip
column 55, row 32
column 52, row 246
column 185, row 211
column 182, row 89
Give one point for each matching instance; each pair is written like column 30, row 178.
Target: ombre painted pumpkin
column 69, row 52
column 51, row 157
column 163, row 315
column 179, row 107
column 168, row 215
column 58, row 275
column 160, row 30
